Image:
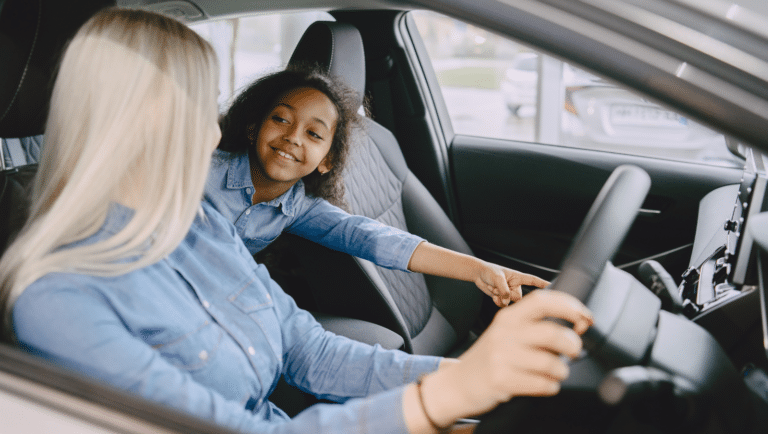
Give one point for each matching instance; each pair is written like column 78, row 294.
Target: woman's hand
column 503, row 285
column 521, row 353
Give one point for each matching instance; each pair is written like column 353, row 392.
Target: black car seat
column 33, row 34
column 434, row 315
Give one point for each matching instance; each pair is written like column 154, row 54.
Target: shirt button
column 203, row 355
column 206, row 304
column 248, row 212
column 251, row 351
column 248, row 190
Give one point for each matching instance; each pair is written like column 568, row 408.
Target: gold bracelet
column 432, row 422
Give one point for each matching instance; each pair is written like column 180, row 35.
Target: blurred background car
column 606, row 117
column 600, row 115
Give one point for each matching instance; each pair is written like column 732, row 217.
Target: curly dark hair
column 254, row 104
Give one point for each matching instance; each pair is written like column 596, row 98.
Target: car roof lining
column 213, row 9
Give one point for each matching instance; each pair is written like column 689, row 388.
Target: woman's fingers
column 542, row 304
column 535, row 385
column 552, row 337
column 521, row 353
column 541, row 363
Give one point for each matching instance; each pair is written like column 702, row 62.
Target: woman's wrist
column 436, row 426
column 431, row 405
column 443, row 401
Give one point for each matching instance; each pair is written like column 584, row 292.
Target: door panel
column 522, row 203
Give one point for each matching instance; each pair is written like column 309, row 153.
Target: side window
column 250, row 47
column 497, row 88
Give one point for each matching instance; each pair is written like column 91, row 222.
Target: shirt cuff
column 407, row 247
column 385, row 409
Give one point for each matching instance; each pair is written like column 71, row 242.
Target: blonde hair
column 133, row 113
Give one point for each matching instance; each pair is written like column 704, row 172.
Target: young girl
column 122, row 275
column 285, row 142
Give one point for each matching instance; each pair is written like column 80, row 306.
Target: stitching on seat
column 375, row 191
column 29, row 59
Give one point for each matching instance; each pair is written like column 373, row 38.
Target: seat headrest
column 338, row 49
column 33, row 34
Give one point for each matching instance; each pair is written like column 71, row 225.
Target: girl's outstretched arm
column 500, row 283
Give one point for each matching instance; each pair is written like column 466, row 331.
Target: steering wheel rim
column 603, row 230
column 599, row 237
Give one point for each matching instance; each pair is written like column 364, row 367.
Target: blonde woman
column 122, row 274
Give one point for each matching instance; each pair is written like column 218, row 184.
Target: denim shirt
column 205, row 330
column 230, row 190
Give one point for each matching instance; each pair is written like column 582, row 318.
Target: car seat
column 433, row 315
column 29, row 55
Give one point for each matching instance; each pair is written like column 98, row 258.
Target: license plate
column 639, row 115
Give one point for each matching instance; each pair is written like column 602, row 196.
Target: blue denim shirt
column 230, row 190
column 206, row 331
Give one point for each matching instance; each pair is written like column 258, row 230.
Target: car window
column 252, row 46
column 491, row 88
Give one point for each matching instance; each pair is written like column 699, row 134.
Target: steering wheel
column 603, row 231
column 600, row 236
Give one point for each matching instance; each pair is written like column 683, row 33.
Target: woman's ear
column 325, row 166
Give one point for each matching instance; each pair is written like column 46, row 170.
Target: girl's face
column 296, row 136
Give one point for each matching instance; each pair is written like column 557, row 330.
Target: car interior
column 665, row 253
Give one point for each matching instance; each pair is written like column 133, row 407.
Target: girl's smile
column 294, row 139
column 285, row 155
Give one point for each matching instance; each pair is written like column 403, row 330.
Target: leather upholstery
column 434, row 315
column 15, row 186
column 325, row 45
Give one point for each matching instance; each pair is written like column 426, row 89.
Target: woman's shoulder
column 55, row 290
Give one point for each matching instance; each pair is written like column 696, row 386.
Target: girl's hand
column 521, row 353
column 503, row 285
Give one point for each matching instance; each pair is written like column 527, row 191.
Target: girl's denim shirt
column 230, row 190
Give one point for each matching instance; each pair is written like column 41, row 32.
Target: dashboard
column 719, row 290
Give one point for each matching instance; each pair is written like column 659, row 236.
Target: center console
column 723, row 266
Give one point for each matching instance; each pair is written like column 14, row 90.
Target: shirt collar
column 239, row 171
column 239, row 177
column 288, row 201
